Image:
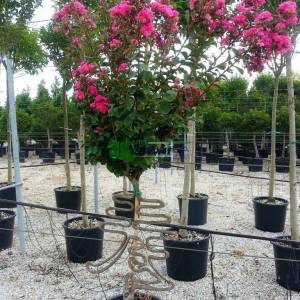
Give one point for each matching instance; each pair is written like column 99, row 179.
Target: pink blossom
column 77, row 41
column 77, row 85
column 115, row 43
column 190, row 102
column 79, row 95
column 85, row 68
column 92, row 90
column 100, row 104
column 122, row 68
column 122, row 9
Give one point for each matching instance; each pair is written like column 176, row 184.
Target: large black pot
column 68, row 199
column 6, row 229
column 226, row 164
column 255, row 164
column 197, row 209
column 8, row 194
column 83, row 245
column 270, row 217
column 136, row 297
column 287, row 264
column 124, row 201
column 48, row 157
column 212, row 158
column 282, row 165
column 187, row 260
column 2, row 151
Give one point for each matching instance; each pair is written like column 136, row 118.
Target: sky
column 23, row 81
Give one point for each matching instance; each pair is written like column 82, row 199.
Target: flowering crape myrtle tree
column 124, row 82
column 246, row 31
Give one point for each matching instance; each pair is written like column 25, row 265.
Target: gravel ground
column 44, row 273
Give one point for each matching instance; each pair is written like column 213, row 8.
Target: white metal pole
column 15, row 146
column 96, row 189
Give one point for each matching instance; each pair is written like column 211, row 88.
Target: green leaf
column 164, row 108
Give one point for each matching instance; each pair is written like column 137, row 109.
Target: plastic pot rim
column 59, row 189
column 67, row 222
column 200, row 198
column 284, row 202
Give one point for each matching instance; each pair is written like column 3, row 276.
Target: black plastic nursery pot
column 83, row 244
column 226, row 164
column 7, row 194
column 270, row 216
column 198, row 161
column 68, row 199
column 197, row 209
column 187, row 260
column 287, row 264
column 124, row 201
column 255, row 164
column 7, row 222
column 282, row 165
column 264, row 153
column 212, row 158
column 22, row 156
column 181, row 153
column 137, row 296
column 164, row 162
column 48, row 157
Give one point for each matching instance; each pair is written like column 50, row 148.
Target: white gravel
column 44, row 273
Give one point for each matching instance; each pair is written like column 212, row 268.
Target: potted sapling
column 270, row 211
column 84, row 235
column 229, row 121
column 58, row 48
column 287, row 256
column 255, row 121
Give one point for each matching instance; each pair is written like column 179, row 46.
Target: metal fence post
column 15, row 146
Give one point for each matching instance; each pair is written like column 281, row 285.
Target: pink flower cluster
column 86, row 86
column 154, row 20
column 73, row 11
column 190, row 93
column 210, row 13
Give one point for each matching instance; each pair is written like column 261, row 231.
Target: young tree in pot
column 288, row 255
column 21, row 43
column 59, row 48
column 84, row 235
column 255, row 121
column 270, row 211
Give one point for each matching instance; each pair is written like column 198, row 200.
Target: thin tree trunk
column 273, row 139
column 255, row 146
column 82, row 170
column 292, row 149
column 283, row 147
column 9, row 151
column 48, row 136
column 187, row 176
column 227, row 143
column 125, row 186
column 66, row 130
column 193, row 160
column 263, row 141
